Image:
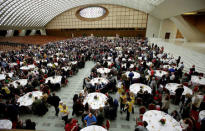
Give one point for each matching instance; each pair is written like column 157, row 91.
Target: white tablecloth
column 197, row 80
column 99, row 80
column 54, row 79
column 168, row 67
column 118, row 48
column 28, row 67
column 135, row 88
column 136, row 75
column 2, row 77
column 26, row 100
column 95, row 103
column 201, row 115
column 103, row 70
column 5, row 124
column 159, row 73
column 74, row 62
column 66, row 68
column 22, row 82
column 51, row 65
column 153, row 117
column 173, row 86
column 93, row 128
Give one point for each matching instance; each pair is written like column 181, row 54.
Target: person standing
column 129, row 107
column 55, row 102
column 178, row 94
column 64, row 113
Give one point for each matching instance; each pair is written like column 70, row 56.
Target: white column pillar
column 43, row 31
column 33, row 32
column 22, row 33
column 10, row 33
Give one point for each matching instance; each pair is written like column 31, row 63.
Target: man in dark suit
column 178, row 94
column 55, row 103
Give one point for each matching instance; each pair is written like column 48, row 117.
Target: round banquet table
column 103, row 70
column 136, row 75
column 50, row 64
column 173, row 86
column 153, row 117
column 74, row 62
column 118, row 48
column 168, row 67
column 27, row 67
column 2, row 77
column 54, row 79
column 201, row 115
column 95, row 103
column 5, row 124
column 22, row 82
column 99, row 80
column 93, row 128
column 198, row 80
column 159, row 73
column 66, row 68
column 135, row 88
column 25, row 100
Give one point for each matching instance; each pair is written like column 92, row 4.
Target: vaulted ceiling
column 37, row 13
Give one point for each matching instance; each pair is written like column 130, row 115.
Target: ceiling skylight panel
column 28, row 11
column 22, row 10
column 10, row 11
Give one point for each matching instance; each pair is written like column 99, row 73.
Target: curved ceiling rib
column 37, row 13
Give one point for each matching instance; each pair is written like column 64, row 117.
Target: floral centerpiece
column 162, row 121
column 30, row 95
column 96, row 97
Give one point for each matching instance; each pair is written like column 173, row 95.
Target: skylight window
column 92, row 12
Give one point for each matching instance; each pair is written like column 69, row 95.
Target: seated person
column 90, row 119
column 72, row 125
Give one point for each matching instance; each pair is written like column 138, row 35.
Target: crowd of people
column 155, row 68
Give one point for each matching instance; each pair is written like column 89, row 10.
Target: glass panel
column 92, row 12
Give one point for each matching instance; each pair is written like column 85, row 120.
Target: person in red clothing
column 72, row 125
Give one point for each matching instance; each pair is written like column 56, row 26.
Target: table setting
column 93, row 128
column 54, row 79
column 158, row 73
column 136, row 74
column 28, row 98
column 5, row 124
column 23, row 82
column 95, row 100
column 99, row 80
column 28, row 67
column 135, row 88
column 197, row 80
column 201, row 115
column 161, row 121
column 173, row 86
column 103, row 70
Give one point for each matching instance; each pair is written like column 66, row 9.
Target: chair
column 151, row 107
column 142, row 110
column 185, row 83
column 140, row 123
column 139, row 101
column 107, row 124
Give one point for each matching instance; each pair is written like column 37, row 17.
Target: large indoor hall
column 102, row 65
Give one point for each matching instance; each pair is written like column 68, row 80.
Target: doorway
column 167, row 35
